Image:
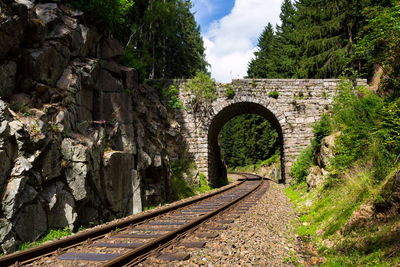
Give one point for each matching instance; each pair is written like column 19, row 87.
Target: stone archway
column 291, row 105
column 216, row 169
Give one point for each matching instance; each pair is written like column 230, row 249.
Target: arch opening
column 217, row 171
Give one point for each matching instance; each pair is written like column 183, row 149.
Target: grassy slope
column 353, row 220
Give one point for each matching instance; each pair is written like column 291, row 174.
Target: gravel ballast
column 264, row 236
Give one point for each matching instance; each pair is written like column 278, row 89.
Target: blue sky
column 208, row 11
column 230, row 29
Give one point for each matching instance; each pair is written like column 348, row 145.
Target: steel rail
column 29, row 255
column 135, row 253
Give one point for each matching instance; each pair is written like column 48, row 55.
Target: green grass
column 52, row 234
column 203, row 185
column 325, row 212
column 254, row 167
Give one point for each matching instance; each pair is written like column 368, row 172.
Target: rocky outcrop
column 318, row 174
column 80, row 140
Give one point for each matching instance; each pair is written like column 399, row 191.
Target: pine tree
column 165, row 41
column 325, row 35
column 285, row 45
column 262, row 66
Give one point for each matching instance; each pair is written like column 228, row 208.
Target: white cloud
column 202, row 9
column 231, row 41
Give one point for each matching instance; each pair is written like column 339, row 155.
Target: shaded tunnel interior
column 217, row 172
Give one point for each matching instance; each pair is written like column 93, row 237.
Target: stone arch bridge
column 291, row 106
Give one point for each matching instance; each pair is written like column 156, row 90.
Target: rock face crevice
column 80, row 140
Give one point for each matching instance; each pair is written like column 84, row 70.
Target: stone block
column 76, row 175
column 119, row 180
column 73, row 151
column 8, row 72
column 110, row 48
column 31, row 222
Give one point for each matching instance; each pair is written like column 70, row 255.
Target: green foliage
column 229, row 92
column 262, row 66
column 379, row 42
column 179, row 186
column 274, row 94
column 326, row 221
column 389, row 128
column 203, row 185
column 316, row 39
column 261, row 163
column 247, row 139
column 170, row 96
column 52, row 234
column 369, row 130
column 300, row 168
column 321, row 129
column 202, row 89
column 161, row 38
column 112, row 12
column 356, row 115
column 164, row 40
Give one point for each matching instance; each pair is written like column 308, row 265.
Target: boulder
column 68, row 33
column 20, row 102
column 11, row 31
column 8, row 72
column 73, row 151
column 44, row 65
column 118, row 178
column 316, row 177
column 4, row 121
column 327, row 150
column 51, row 163
column 76, row 176
column 110, row 48
column 130, row 77
column 62, row 212
column 21, row 166
column 7, row 153
column 7, row 239
column 90, row 40
column 49, row 13
column 11, row 197
column 31, row 222
column 107, row 83
column 28, row 3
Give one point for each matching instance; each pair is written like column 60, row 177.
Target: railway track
column 129, row 241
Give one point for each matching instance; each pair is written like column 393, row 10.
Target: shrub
column 170, row 95
column 300, row 168
column 203, row 184
column 202, row 88
column 230, row 93
column 273, row 94
column 322, row 129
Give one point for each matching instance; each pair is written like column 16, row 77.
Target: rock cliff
column 80, row 140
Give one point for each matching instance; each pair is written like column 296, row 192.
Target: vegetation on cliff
column 162, row 38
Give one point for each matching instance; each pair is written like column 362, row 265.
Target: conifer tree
column 262, row 66
column 326, row 31
column 285, row 45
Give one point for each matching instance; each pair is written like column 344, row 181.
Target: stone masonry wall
column 300, row 104
column 80, row 141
